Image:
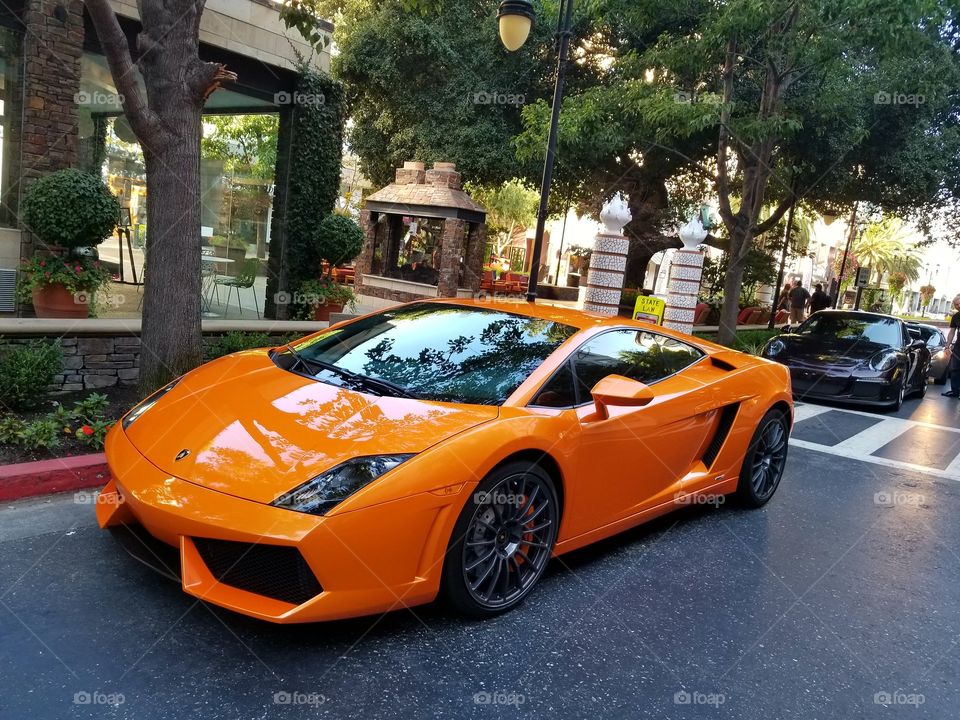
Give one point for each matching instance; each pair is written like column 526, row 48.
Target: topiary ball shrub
column 338, row 239
column 70, row 208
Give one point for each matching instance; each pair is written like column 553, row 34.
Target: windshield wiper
column 365, row 380
column 298, row 358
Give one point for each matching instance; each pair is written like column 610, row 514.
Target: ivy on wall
column 314, row 179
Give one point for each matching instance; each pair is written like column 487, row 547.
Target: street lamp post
column 515, row 19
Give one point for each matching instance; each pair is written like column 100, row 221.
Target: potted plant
column 68, row 211
column 61, row 286
column 232, row 248
column 336, row 239
column 324, row 296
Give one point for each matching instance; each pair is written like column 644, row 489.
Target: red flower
column 87, row 430
column 78, row 268
column 43, row 263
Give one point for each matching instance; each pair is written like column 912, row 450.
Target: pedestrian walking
column 783, row 301
column 798, row 302
column 819, row 300
column 953, row 350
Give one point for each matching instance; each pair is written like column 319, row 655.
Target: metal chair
column 244, row 279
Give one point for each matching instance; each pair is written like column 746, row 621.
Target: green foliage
column 231, row 242
column 761, row 269
column 338, row 239
column 511, row 205
column 423, row 85
column 325, row 291
column 44, row 433
column 26, row 371
column 236, row 340
column 315, row 155
column 246, row 143
column 884, row 248
column 70, row 208
column 75, row 274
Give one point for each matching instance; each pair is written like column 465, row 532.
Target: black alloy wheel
column 502, row 540
column 765, row 460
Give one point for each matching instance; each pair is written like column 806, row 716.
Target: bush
column 26, row 371
column 338, row 239
column 236, row 341
column 70, row 208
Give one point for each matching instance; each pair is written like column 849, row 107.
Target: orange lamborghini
column 436, row 448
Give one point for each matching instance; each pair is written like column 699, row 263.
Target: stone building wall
column 94, row 363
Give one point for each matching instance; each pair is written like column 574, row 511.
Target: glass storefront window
column 238, row 157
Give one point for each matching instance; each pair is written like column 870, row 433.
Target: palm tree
column 884, row 248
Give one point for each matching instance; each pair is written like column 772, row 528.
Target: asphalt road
column 839, row 599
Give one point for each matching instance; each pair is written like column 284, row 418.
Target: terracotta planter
column 55, row 301
column 322, row 312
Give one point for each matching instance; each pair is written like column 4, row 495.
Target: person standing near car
column 819, row 300
column 798, row 302
column 953, row 350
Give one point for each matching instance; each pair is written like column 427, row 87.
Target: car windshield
column 433, row 351
column 854, row 328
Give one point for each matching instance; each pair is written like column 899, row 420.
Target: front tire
column 502, row 541
column 765, row 460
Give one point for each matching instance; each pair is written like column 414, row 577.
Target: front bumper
column 844, row 387
column 366, row 561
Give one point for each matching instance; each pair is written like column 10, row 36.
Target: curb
column 45, row 477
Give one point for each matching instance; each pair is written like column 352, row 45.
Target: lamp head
column 515, row 18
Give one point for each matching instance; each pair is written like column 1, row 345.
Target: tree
column 804, row 100
column 167, row 122
column 510, row 206
column 883, row 247
column 431, row 84
column 246, row 143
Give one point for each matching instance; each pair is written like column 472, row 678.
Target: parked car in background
column 937, row 344
column 852, row 356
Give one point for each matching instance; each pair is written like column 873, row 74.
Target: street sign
column 649, row 309
column 863, row 277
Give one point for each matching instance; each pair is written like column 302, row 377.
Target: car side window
column 638, row 355
column 558, row 391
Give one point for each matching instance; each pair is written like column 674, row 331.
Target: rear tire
column 765, row 460
column 502, row 541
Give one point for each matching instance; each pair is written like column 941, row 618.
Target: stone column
column 683, row 288
column 364, row 260
column 449, row 270
column 686, row 270
column 608, row 260
column 473, row 258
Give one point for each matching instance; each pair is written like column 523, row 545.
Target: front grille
column 276, row 571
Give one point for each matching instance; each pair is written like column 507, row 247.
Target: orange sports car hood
column 256, row 431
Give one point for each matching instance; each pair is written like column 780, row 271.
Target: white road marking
column 873, row 438
column 949, row 474
column 862, row 445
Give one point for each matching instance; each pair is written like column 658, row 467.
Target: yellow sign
column 649, row 309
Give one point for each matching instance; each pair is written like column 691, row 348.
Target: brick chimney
column 443, row 174
column 412, row 173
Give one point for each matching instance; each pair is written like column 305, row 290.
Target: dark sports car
column 852, row 356
column 937, row 344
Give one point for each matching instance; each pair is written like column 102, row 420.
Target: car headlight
column 327, row 490
column 774, row 348
column 883, row 360
column 147, row 403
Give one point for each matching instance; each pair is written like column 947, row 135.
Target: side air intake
column 727, row 416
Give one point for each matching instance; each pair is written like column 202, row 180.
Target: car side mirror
column 917, row 344
column 619, row 391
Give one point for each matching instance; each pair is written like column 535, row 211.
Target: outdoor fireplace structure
column 423, row 237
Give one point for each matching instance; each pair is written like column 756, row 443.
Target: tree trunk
column 171, row 340
column 740, row 240
column 167, row 122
